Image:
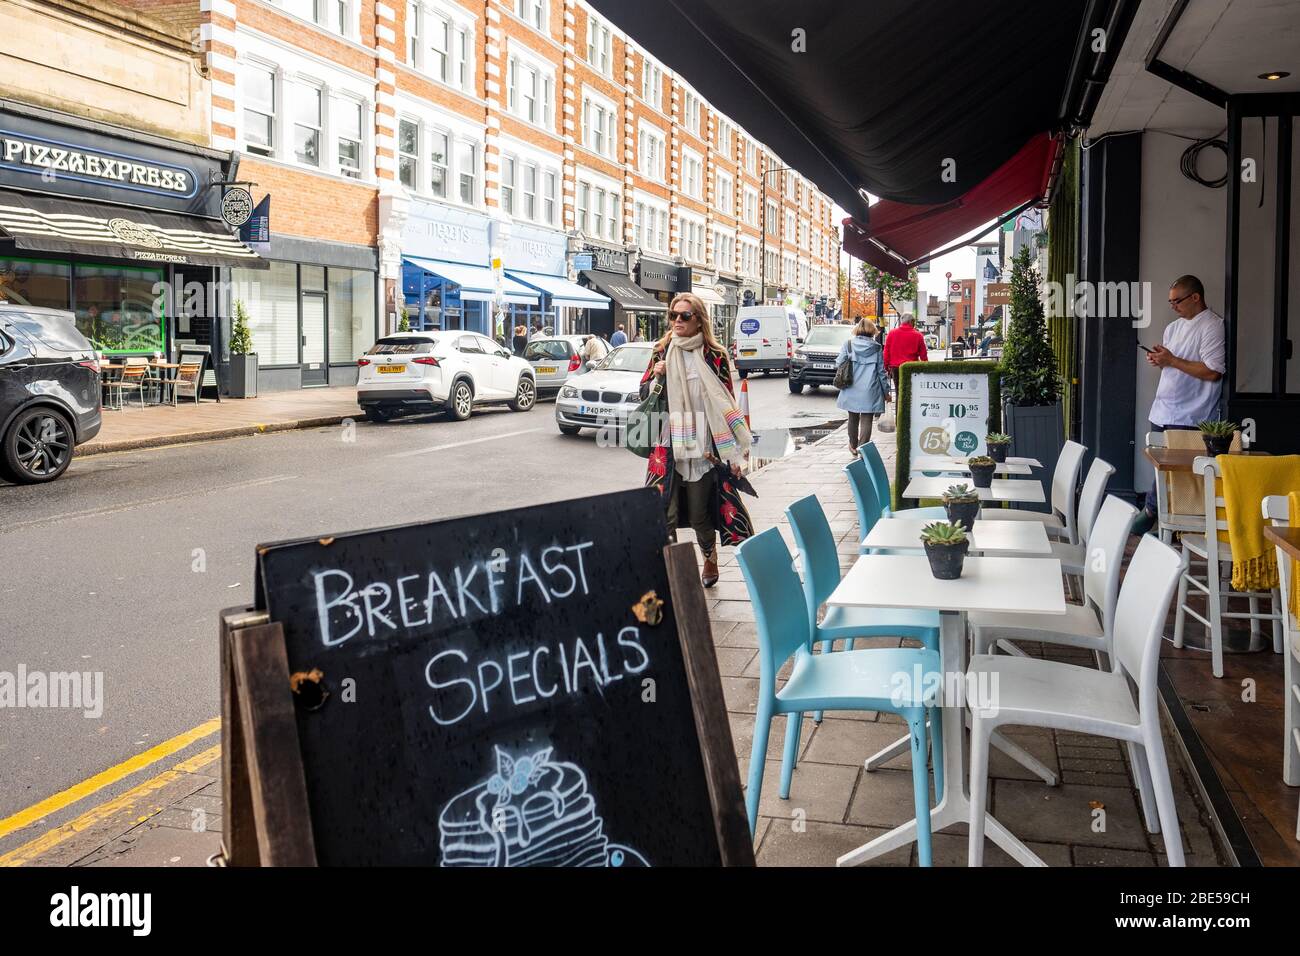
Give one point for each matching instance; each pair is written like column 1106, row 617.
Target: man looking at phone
column 1191, row 363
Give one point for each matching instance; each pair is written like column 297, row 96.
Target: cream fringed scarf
column 726, row 424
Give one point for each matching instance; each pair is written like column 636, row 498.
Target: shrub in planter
column 981, row 470
column 243, row 360
column 998, row 444
column 1217, row 435
column 946, row 545
column 962, row 502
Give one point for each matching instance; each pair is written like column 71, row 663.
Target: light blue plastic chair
column 879, row 476
column 881, row 679
column 821, row 576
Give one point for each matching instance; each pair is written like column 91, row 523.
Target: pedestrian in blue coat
column 866, row 397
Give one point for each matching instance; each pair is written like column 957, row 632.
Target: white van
column 765, row 337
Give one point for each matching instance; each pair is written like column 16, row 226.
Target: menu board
column 506, row 689
column 949, row 413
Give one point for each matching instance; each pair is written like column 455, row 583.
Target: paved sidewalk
column 834, row 806
column 134, row 427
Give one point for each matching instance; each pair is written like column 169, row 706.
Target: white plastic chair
column 1276, row 510
column 1090, row 624
column 1065, row 483
column 1217, row 556
column 1073, row 556
column 1040, row 693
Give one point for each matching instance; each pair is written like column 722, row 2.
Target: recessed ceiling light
column 1275, row 75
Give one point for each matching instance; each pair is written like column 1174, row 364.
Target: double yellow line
column 30, row 852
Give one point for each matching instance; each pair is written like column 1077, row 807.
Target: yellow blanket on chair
column 1246, row 480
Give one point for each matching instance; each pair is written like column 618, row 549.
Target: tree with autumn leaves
column 900, row 294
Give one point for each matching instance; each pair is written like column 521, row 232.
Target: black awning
column 629, row 296
column 914, row 102
column 50, row 224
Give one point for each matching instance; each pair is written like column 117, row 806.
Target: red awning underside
column 911, row 232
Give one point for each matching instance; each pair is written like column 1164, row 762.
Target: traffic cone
column 744, row 401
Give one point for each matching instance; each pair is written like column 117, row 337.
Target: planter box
column 1036, row 432
column 243, row 376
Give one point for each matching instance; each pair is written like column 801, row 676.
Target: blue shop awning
column 562, row 291
column 476, row 282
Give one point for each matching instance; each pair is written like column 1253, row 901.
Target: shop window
column 467, row 171
column 271, row 298
column 306, row 126
column 350, row 124
column 118, row 308
column 259, row 110
column 438, row 163
column 36, row 282
column 351, row 313
column 408, row 152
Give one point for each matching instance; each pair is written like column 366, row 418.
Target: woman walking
column 701, row 452
column 867, row 396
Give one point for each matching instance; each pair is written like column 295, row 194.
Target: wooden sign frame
column 266, row 816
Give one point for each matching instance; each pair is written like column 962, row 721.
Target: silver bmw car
column 606, row 394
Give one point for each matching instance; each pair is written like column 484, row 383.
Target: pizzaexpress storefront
column 121, row 228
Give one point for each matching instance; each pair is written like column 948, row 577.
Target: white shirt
column 1183, row 399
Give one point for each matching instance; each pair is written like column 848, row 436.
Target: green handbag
column 642, row 431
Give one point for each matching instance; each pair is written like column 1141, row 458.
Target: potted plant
column 962, row 502
column 981, row 470
column 405, row 324
column 1030, row 382
column 243, row 360
column 946, row 545
column 998, row 445
column 1217, row 435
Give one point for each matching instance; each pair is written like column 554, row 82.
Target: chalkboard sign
column 506, row 689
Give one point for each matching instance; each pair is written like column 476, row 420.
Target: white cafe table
column 1002, row 489
column 986, row 537
column 948, row 464
column 1007, row 585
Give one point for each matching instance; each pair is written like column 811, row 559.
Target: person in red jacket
column 904, row 344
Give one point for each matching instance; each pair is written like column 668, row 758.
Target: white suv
column 420, row 372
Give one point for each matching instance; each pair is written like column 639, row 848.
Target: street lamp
column 762, row 268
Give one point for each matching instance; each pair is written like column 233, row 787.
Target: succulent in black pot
column 981, row 470
column 962, row 502
column 1217, row 435
column 946, row 545
column 998, row 444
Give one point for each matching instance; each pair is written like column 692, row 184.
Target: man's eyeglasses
column 1174, row 302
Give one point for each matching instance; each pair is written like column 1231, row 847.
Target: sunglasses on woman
column 682, row 316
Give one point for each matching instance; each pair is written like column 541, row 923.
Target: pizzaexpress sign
column 49, row 158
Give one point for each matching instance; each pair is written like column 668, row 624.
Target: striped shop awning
column 50, row 224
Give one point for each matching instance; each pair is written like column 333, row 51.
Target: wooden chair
column 131, row 379
column 187, row 379
column 1217, row 556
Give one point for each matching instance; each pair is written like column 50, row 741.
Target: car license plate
column 546, row 370
column 822, row 365
column 598, row 410
column 749, row 351
column 390, row 369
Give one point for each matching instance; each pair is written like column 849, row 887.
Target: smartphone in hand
column 1145, row 349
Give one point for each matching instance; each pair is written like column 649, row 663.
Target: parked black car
column 49, row 392
column 813, row 362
